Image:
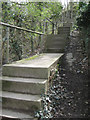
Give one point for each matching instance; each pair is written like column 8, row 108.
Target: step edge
column 18, row 98
column 19, row 81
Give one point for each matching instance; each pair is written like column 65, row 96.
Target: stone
column 25, row 85
column 35, row 68
column 18, row 101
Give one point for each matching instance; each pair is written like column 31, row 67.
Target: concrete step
column 55, row 37
column 55, row 50
column 24, row 85
column 57, row 43
column 67, row 24
column 58, row 46
column 14, row 114
column 39, row 67
column 64, row 32
column 58, row 40
column 18, row 101
column 63, row 28
column 55, row 40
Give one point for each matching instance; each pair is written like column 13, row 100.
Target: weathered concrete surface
column 25, row 85
column 55, row 50
column 56, row 43
column 67, row 25
column 24, row 82
column 13, row 114
column 64, row 30
column 20, row 101
column 36, row 68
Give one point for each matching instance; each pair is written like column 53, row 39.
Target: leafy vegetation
column 83, row 22
column 37, row 16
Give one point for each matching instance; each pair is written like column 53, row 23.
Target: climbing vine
column 83, row 22
column 36, row 16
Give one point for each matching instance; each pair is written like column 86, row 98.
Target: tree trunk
column 46, row 27
column 7, row 35
column 0, row 36
column 52, row 28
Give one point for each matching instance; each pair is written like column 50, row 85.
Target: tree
column 83, row 22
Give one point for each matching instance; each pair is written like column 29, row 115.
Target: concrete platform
column 18, row 101
column 20, row 85
column 34, row 68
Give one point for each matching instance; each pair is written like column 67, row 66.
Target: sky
column 63, row 1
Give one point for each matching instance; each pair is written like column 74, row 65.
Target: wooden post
column 1, row 57
column 32, row 49
column 52, row 28
column 0, row 36
column 46, row 27
column 7, row 35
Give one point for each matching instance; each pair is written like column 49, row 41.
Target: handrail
column 24, row 29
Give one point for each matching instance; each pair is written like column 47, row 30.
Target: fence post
column 0, row 36
column 46, row 27
column 52, row 28
column 1, row 58
column 7, row 36
column 32, row 44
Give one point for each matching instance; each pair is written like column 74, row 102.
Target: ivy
column 31, row 15
column 83, row 22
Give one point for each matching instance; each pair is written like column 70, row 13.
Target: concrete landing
column 34, row 68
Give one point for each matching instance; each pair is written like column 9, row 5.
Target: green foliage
column 83, row 22
column 84, row 18
column 32, row 15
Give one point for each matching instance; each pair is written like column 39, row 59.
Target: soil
column 73, row 73
column 68, row 96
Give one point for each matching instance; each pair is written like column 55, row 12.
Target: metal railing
column 19, row 42
column 20, row 28
column 24, row 44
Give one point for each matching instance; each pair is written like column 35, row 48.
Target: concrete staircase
column 23, row 84
column 25, row 81
column 57, row 43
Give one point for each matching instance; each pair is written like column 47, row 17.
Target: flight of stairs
column 56, row 43
column 25, row 81
column 23, row 84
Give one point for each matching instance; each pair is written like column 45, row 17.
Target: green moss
column 30, row 58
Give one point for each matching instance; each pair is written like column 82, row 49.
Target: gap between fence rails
column 24, row 29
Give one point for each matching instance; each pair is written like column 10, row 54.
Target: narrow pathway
column 73, row 81
column 68, row 96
